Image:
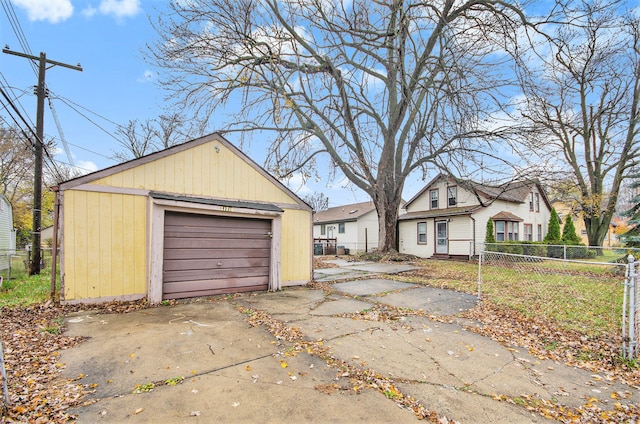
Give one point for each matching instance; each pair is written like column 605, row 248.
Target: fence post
column 633, row 305
column 631, row 267
column 480, row 259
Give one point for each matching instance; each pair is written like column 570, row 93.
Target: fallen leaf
column 248, row 368
column 137, row 411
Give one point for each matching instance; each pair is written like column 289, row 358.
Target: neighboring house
column 46, row 235
column 563, row 209
column 197, row 219
column 354, row 226
column 7, row 233
column 449, row 219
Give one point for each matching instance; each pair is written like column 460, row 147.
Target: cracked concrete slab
column 430, row 299
column 341, row 306
column 465, row 407
column 370, row 287
column 379, row 267
column 236, row 372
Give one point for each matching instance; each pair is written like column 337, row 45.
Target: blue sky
column 106, row 37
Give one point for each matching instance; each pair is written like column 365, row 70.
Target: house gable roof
column 506, row 216
column 344, row 213
column 516, row 191
column 214, row 137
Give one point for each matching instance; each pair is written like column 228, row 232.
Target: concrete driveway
column 229, row 368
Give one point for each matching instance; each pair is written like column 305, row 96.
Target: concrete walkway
column 237, row 372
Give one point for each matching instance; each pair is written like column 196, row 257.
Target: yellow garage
column 197, row 219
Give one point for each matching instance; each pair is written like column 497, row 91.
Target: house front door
column 442, row 240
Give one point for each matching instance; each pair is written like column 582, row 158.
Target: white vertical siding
column 6, row 232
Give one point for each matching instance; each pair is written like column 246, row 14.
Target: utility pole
column 41, row 93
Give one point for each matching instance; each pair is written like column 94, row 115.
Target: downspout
column 54, row 248
column 472, row 249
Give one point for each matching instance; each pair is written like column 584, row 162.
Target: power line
column 68, row 103
column 17, row 30
column 15, row 109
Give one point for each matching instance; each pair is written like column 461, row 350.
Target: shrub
column 489, row 237
column 532, row 248
column 569, row 235
column 553, row 234
column 509, row 247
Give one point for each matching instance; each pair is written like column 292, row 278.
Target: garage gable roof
column 344, row 213
column 218, row 202
column 214, row 137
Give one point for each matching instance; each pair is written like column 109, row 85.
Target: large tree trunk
column 387, row 223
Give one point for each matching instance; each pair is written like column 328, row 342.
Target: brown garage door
column 206, row 255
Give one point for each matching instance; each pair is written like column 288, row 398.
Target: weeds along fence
column 594, row 297
column 15, row 263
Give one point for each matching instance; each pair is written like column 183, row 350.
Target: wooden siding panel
column 296, row 246
column 104, row 242
column 201, row 171
column 117, row 242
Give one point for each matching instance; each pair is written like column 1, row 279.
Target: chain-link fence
column 592, row 297
column 562, row 251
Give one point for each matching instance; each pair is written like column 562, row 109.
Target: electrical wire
column 70, row 104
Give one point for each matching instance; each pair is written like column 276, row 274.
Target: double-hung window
column 434, row 199
column 506, row 230
column 452, row 194
column 422, row 233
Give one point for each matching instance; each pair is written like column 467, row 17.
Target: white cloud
column 147, row 76
column 120, row 8
column 53, row 11
column 85, row 166
column 89, row 11
column 298, row 184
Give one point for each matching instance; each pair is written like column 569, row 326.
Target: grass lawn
column 583, row 297
column 20, row 289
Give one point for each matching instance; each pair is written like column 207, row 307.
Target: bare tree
column 582, row 88
column 318, row 201
column 374, row 89
column 141, row 138
column 16, row 165
column 137, row 139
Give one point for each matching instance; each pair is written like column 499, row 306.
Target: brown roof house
column 448, row 218
column 354, row 227
column 200, row 218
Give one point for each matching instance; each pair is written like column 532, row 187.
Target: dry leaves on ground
column 32, row 343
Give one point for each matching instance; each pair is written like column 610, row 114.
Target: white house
column 354, row 227
column 448, row 218
column 7, row 232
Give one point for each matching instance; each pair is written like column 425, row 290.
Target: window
column 341, row 228
column 531, row 201
column 434, row 199
column 528, row 232
column 451, row 194
column 323, row 229
column 537, row 202
column 500, row 231
column 512, row 230
column 422, row 233
column 539, row 232
column 506, row 230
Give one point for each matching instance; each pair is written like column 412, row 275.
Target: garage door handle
column 270, row 234
column 219, row 263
